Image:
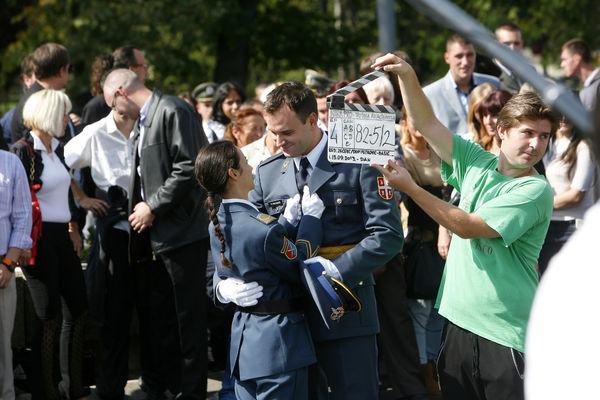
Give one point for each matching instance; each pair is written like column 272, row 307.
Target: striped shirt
column 15, row 204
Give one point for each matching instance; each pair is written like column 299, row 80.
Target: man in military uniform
column 361, row 231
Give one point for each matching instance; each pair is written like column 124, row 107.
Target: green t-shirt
column 489, row 284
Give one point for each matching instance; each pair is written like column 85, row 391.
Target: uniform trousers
column 291, row 385
column 8, row 307
column 114, row 335
column 348, row 366
column 473, row 368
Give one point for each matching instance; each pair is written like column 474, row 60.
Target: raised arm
column 417, row 106
column 464, row 224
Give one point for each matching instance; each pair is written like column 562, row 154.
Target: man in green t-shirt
column 499, row 226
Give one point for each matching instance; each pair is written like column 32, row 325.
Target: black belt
column 271, row 307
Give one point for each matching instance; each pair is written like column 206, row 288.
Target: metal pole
column 558, row 96
column 386, row 22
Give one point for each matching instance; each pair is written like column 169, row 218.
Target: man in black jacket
column 167, row 216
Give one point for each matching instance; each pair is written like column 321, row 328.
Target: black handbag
column 423, row 267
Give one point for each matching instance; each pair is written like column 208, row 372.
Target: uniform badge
column 289, row 249
column 336, row 313
column 384, row 190
column 264, row 218
column 285, row 166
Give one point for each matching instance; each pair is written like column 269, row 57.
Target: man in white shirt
column 576, row 61
column 105, row 146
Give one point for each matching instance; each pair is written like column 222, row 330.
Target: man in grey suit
column 576, row 61
column 449, row 96
column 169, row 224
column 509, row 34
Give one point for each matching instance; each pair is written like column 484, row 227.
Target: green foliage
column 182, row 39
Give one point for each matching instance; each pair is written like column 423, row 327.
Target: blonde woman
column 56, row 280
column 477, row 95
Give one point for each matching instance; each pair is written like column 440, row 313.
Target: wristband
column 9, row 264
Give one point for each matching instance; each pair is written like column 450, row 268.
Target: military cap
column 317, row 82
column 204, row 91
column 332, row 298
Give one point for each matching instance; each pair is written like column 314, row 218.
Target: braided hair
column 211, row 171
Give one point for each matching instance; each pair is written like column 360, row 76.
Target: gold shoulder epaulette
column 264, row 218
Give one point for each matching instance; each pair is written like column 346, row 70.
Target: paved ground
column 135, row 393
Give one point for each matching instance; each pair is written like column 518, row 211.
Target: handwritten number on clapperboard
column 363, row 135
column 334, row 132
column 387, row 136
column 375, row 134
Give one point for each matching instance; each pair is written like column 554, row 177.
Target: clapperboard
column 360, row 133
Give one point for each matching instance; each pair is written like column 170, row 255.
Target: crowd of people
column 210, row 210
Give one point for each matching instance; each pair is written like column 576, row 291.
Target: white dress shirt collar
column 314, row 155
column 39, row 145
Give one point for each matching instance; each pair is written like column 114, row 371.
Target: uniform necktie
column 302, row 174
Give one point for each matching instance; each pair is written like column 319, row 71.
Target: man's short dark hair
column 456, row 38
column 294, row 95
column 526, row 106
column 579, row 46
column 48, row 59
column 124, row 57
column 508, row 26
column 27, row 66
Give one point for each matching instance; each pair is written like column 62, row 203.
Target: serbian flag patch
column 289, row 249
column 384, row 190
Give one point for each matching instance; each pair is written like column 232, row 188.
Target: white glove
column 330, row 267
column 292, row 210
column 312, row 204
column 233, row 290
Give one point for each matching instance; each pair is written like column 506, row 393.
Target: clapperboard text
column 360, row 133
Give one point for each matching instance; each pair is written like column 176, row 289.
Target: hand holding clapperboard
column 361, row 133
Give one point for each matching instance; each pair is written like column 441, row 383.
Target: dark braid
column 212, row 213
column 212, row 173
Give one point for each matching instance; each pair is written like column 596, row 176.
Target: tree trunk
column 233, row 45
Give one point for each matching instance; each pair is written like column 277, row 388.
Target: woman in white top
column 571, row 172
column 56, row 280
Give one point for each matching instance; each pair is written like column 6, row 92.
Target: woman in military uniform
column 271, row 347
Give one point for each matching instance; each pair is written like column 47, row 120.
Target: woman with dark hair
column 270, row 347
column 487, row 113
column 357, row 97
column 226, row 101
column 571, row 170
